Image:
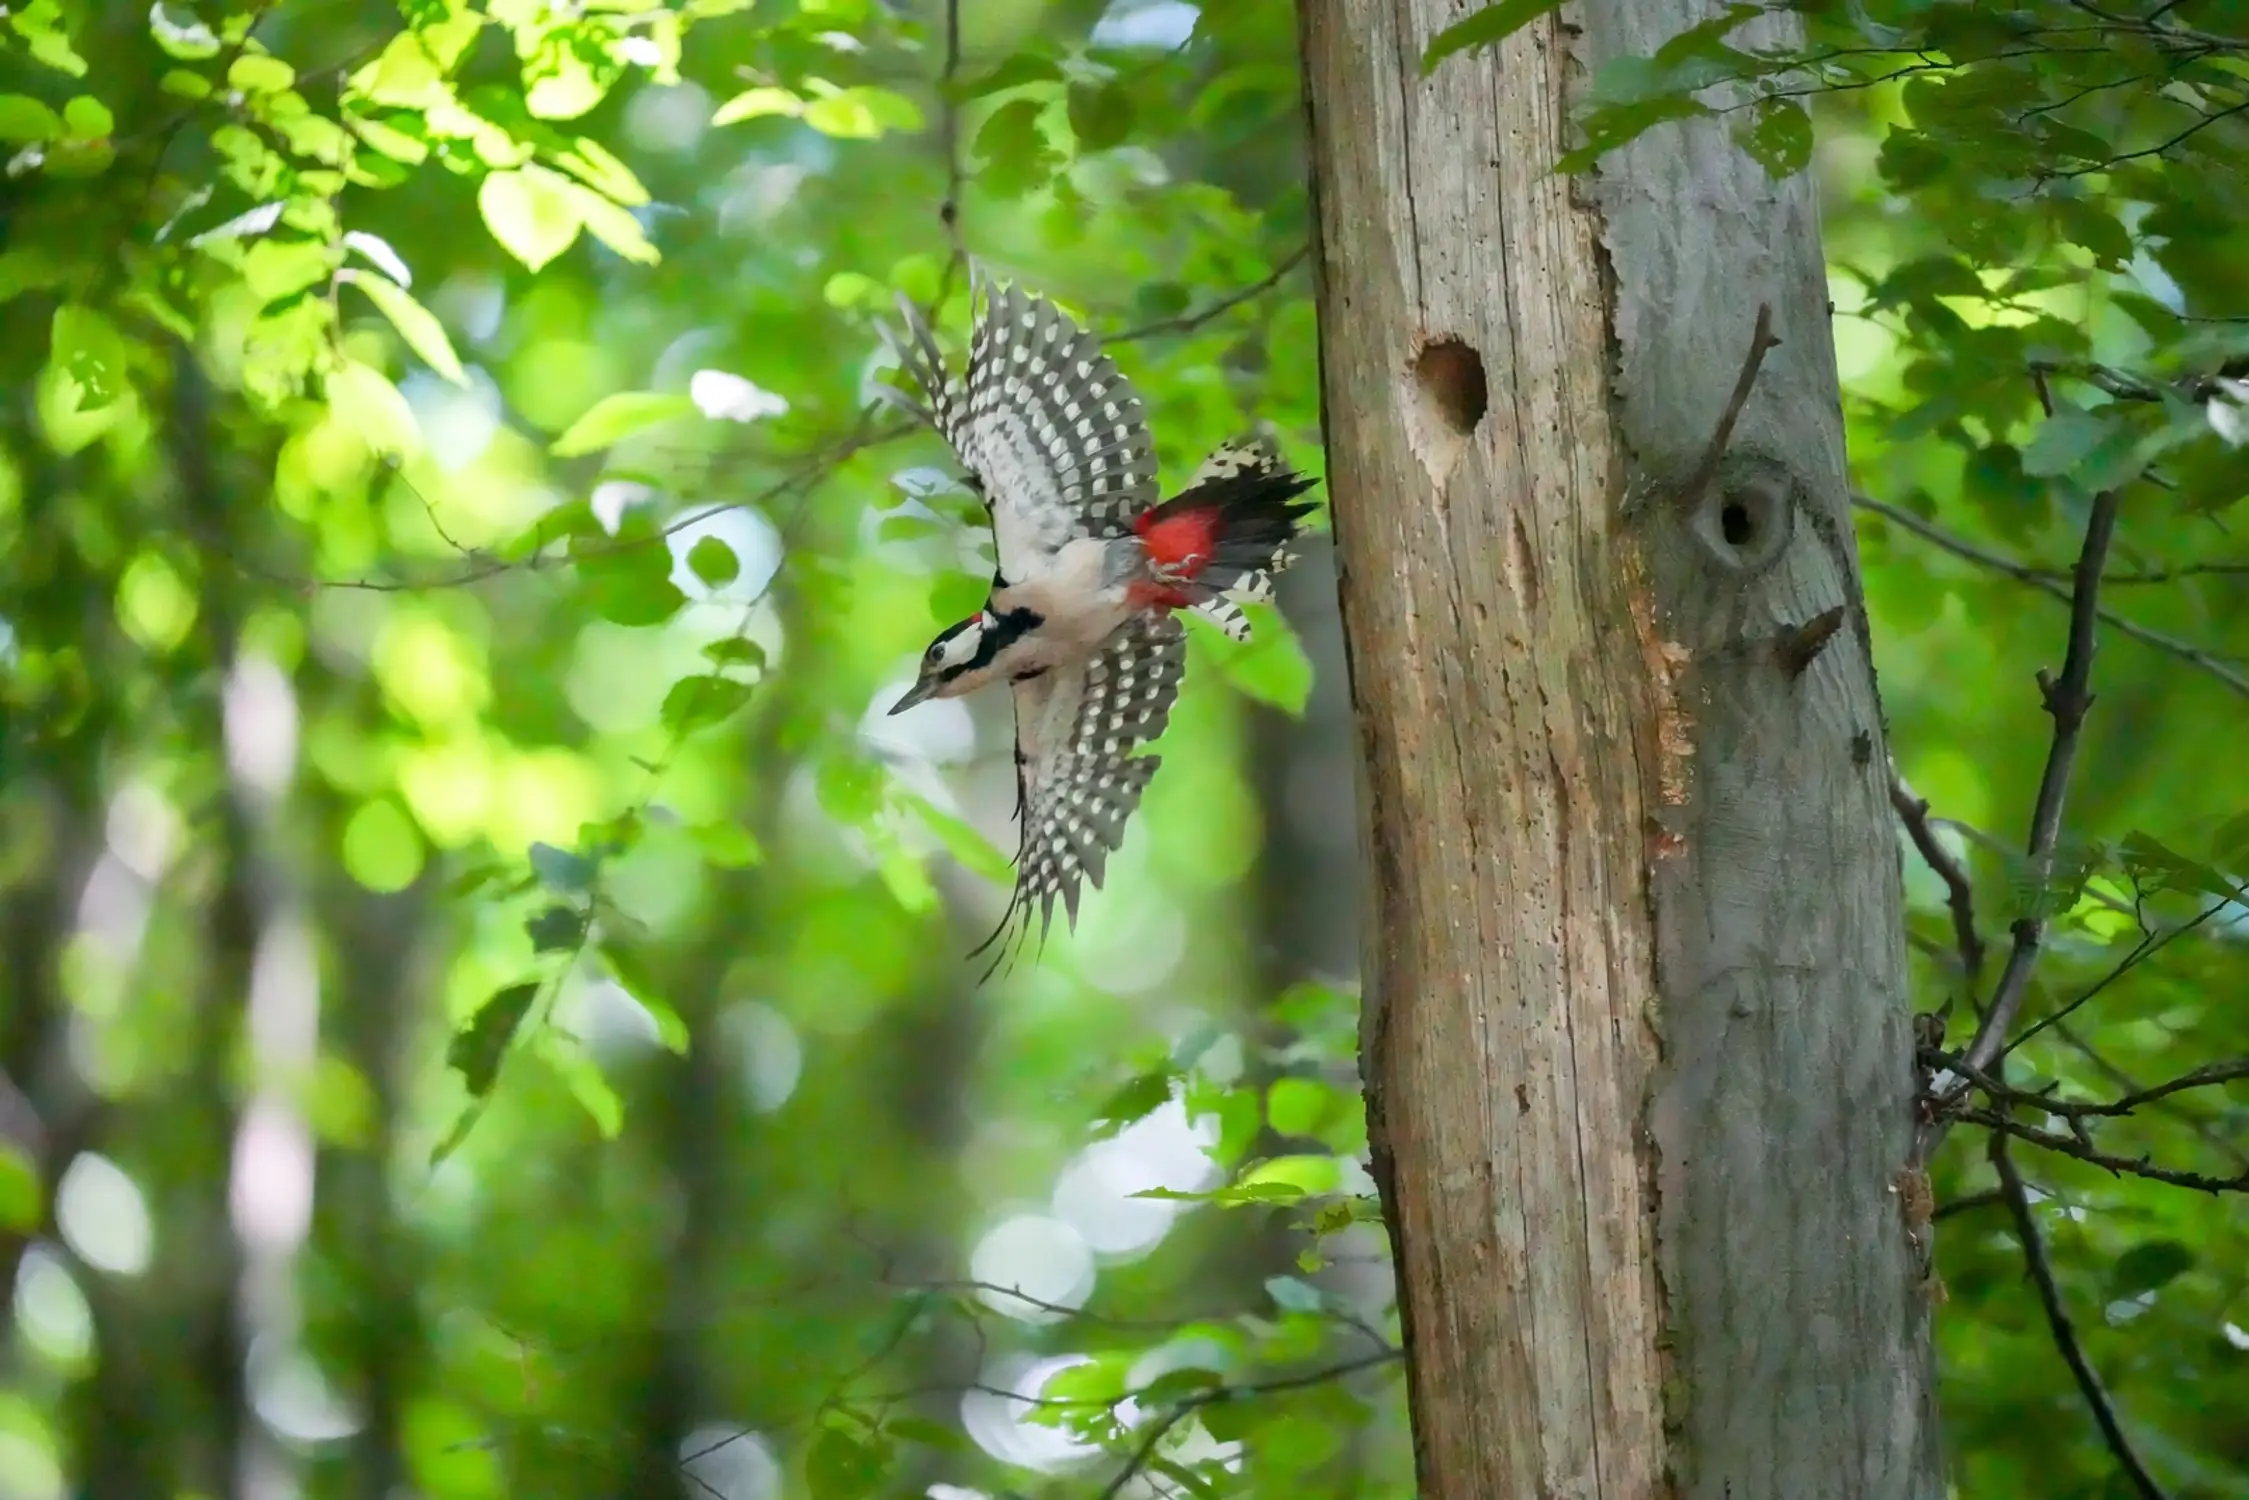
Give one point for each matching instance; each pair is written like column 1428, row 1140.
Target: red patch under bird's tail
column 1220, row 532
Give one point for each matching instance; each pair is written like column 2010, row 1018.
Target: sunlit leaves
column 1272, row 668
column 756, row 103
column 24, row 119
column 612, row 419
column 21, row 1197
column 260, row 73
column 364, row 400
column 713, row 561
column 530, row 213
column 39, row 23
column 414, row 322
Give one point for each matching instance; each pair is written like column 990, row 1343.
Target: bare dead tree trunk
column 1635, row 1034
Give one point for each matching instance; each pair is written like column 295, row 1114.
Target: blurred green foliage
column 481, row 1015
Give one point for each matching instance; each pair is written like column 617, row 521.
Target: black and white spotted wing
column 1077, row 778
column 1051, row 429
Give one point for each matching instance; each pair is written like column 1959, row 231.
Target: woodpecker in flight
column 1090, row 569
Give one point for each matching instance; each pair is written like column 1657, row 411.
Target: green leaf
column 629, row 582
column 752, row 104
column 844, row 1466
column 1778, row 136
column 1292, row 1295
column 2065, row 440
column 24, row 119
column 558, row 929
column 87, row 347
column 260, row 73
column 927, row 1433
column 1300, row 1106
column 2148, row 1266
column 714, row 562
column 477, row 1048
column 1494, row 23
column 1272, row 668
column 587, row 1085
column 1100, row 114
column 88, row 118
column 1134, row 1100
column 560, row 870
column 416, row 324
column 22, row 1200
column 735, row 651
column 729, row 846
column 612, row 419
column 364, row 400
column 532, row 211
column 1015, row 72
column 977, row 854
column 698, row 702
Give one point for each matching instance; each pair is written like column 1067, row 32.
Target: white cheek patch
column 961, row 648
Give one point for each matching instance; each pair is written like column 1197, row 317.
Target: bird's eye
column 935, row 652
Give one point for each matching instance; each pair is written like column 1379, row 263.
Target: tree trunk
column 1635, row 1037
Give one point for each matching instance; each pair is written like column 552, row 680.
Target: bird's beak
column 918, row 693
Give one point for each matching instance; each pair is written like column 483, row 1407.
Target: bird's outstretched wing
column 1049, row 429
column 1077, row 779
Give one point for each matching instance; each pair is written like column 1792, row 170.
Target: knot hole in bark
column 1450, row 398
column 1745, row 518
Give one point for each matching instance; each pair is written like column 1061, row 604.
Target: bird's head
column 961, row 659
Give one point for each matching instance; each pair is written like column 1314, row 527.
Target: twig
column 1190, row 322
column 1968, row 551
column 2207, row 1076
column 1960, row 895
column 2066, row 699
column 1968, row 1202
column 2147, row 947
column 1146, row 1448
column 2119, row 1166
column 2058, row 1320
column 1761, row 341
column 2200, row 1126
column 2160, row 147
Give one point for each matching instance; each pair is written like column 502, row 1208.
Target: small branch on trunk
column 1960, row 894
column 1761, row 342
column 2058, row 1320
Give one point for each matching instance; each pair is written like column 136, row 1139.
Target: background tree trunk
column 1635, row 1036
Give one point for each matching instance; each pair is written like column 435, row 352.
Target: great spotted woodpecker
column 1090, row 568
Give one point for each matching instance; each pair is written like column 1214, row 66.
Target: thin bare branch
column 2067, row 698
column 1191, row 322
column 1960, row 895
column 2058, row 1321
column 2120, row 1166
column 1936, row 536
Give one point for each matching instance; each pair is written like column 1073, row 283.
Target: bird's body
column 1090, row 570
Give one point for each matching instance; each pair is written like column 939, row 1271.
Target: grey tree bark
column 1635, row 1037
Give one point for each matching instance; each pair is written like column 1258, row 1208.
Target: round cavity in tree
column 1451, row 378
column 1734, row 523
column 1744, row 520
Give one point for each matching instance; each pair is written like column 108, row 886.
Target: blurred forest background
column 482, row 1005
